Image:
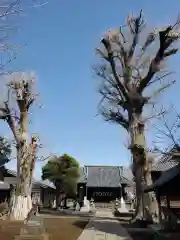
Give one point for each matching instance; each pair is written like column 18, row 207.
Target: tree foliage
column 63, row 171
column 5, row 151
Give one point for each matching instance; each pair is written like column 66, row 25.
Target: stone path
column 33, row 229
column 100, row 228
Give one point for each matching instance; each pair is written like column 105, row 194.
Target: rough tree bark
column 22, row 202
column 17, row 120
column 9, row 10
column 126, row 74
column 146, row 205
column 137, row 149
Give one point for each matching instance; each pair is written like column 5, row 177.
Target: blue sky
column 60, row 40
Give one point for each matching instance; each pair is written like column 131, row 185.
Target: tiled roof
column 127, row 173
column 163, row 166
column 103, row 176
column 43, row 183
column 83, row 175
column 165, row 177
column 165, row 163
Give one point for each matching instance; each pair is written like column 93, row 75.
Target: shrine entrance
column 103, row 194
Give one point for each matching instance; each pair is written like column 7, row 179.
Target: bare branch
column 116, row 117
column 122, row 79
column 155, row 116
column 107, row 45
column 126, row 75
column 6, row 115
column 160, row 78
column 166, row 38
column 9, row 13
column 170, row 132
column 135, row 24
column 160, row 90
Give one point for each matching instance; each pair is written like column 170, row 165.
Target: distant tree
column 127, row 74
column 63, row 171
column 5, row 151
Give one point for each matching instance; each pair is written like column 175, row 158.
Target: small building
column 167, row 189
column 42, row 191
column 163, row 166
column 104, row 183
column 166, row 183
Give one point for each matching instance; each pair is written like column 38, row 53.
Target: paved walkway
column 101, row 228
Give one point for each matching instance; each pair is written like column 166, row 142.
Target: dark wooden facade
column 100, row 194
column 40, row 191
column 161, row 171
column 102, row 183
column 166, row 186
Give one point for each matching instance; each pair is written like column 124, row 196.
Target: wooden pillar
column 81, row 190
column 168, row 207
column 87, row 192
column 158, row 195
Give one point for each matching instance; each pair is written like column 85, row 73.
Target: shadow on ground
column 79, row 224
column 64, row 213
column 121, row 231
column 108, row 227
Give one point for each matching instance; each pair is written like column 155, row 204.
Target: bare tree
column 127, row 72
column 10, row 10
column 17, row 117
column 168, row 134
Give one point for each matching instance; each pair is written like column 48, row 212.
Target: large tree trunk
column 146, row 204
column 58, row 195
column 22, row 202
column 26, row 152
column 65, row 202
column 139, row 199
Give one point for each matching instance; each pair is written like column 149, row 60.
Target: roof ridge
column 35, row 181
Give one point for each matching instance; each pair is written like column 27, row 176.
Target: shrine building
column 104, row 183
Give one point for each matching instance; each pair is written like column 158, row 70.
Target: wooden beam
column 158, row 194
